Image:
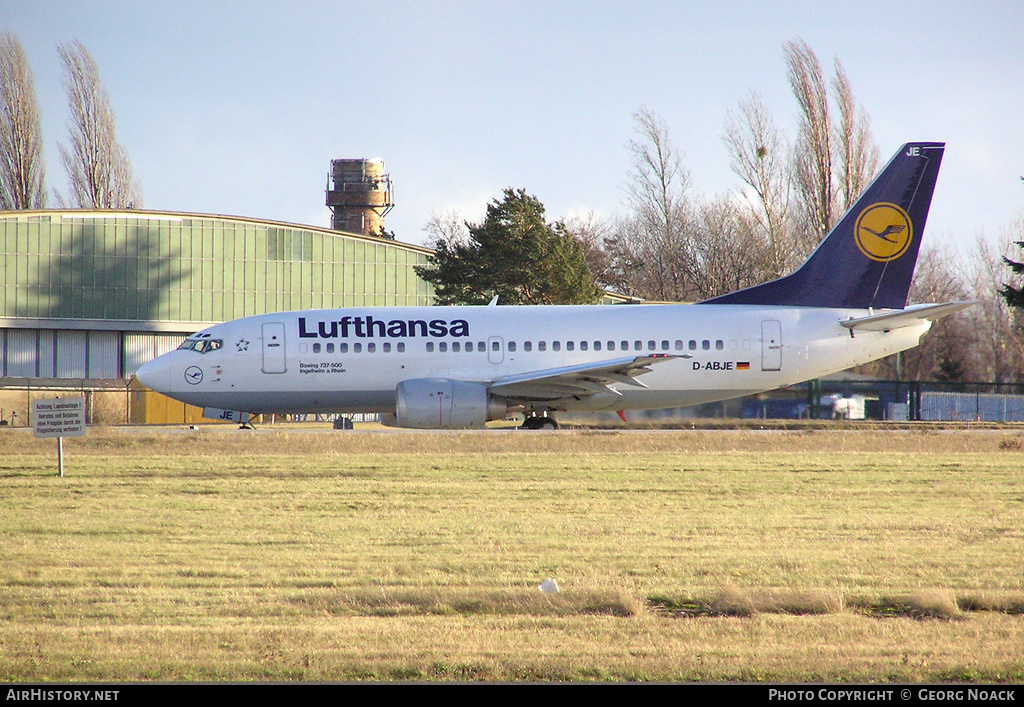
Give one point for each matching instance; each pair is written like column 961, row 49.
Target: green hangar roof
column 152, row 271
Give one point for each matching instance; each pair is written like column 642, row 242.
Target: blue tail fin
column 868, row 259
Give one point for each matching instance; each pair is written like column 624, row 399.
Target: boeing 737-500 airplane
column 450, row 367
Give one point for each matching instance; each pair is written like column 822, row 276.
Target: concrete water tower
column 359, row 195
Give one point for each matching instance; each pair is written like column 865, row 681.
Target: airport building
column 86, row 297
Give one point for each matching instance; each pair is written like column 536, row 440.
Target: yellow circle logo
column 883, row 232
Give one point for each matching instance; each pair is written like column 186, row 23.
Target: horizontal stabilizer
column 906, row 317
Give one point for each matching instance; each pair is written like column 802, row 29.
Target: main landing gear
column 540, row 422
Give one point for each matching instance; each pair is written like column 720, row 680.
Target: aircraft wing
column 906, row 317
column 577, row 381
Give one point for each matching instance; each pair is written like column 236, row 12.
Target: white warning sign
column 59, row 417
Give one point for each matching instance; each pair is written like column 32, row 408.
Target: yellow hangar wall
column 94, row 294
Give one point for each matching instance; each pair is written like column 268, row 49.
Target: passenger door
column 771, row 345
column 273, row 348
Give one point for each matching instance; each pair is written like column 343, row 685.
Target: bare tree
column 858, row 154
column 833, row 160
column 99, row 171
column 22, row 169
column 592, row 232
column 447, row 227
column 758, row 156
column 999, row 345
column 812, row 155
column 651, row 249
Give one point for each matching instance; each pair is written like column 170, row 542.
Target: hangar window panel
column 226, row 308
column 317, row 247
column 176, row 289
column 120, row 303
column 305, row 297
column 215, row 235
column 221, row 275
column 358, row 283
column 114, row 240
column 273, row 282
column 185, row 246
column 316, row 283
column 206, row 284
column 46, row 237
column 27, row 235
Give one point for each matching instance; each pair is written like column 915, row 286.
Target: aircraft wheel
column 537, row 422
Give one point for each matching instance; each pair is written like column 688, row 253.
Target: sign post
column 60, row 418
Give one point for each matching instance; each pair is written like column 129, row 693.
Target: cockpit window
column 201, row 345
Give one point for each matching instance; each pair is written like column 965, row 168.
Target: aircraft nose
column 155, row 375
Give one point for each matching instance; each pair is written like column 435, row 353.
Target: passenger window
column 706, row 345
column 342, row 348
column 719, row 345
column 583, row 346
column 693, row 345
column 597, row 346
column 556, row 345
column 611, row 345
column 624, row 345
column 456, row 347
column 664, row 345
column 542, row 346
column 570, row 345
column 357, row 348
column 638, row 345
column 527, row 346
column 430, row 347
column 316, row 347
column 330, row 348
column 650, row 346
column 495, row 346
column 679, row 345
column 401, row 347
column 387, row 347
column 442, row 347
column 511, row 346
column 481, row 346
column 371, row 348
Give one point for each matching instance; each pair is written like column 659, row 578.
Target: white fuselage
column 352, row 360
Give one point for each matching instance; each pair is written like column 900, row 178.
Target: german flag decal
column 743, row 365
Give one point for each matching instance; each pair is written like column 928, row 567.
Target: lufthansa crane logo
column 883, row 232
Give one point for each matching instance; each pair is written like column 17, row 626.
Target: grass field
column 321, row 555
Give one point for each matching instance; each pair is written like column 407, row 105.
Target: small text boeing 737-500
column 451, row 367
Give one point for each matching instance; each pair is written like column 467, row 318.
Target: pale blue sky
column 238, row 107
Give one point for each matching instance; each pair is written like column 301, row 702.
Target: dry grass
column 726, row 555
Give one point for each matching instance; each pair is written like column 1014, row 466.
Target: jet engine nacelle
column 440, row 403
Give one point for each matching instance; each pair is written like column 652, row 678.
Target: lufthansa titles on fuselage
column 367, row 326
